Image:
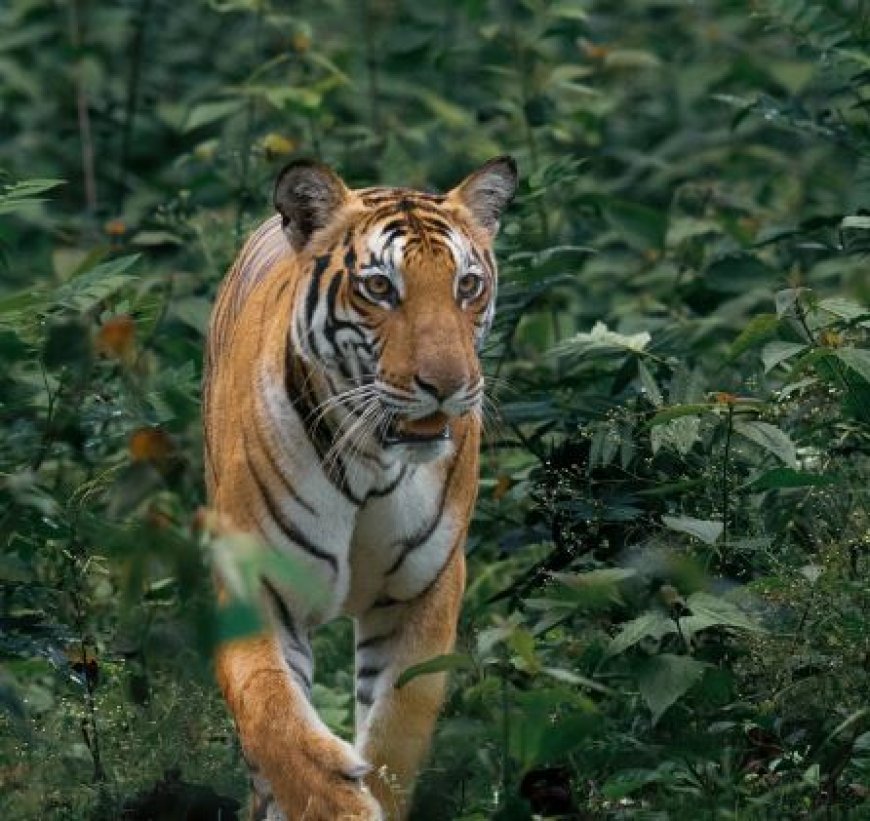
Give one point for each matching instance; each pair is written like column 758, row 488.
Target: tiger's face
column 398, row 293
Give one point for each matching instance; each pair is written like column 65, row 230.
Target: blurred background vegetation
column 668, row 602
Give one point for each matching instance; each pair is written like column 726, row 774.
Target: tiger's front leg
column 301, row 771
column 394, row 726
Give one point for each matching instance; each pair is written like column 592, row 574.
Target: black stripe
column 321, row 263
column 284, row 614
column 260, row 809
column 350, row 259
column 422, row 534
column 273, row 465
column 385, row 601
column 369, row 672
column 334, row 324
column 378, row 493
column 316, row 428
column 287, row 622
column 288, row 528
column 304, row 680
column 374, row 641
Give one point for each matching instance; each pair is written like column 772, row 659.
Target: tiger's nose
column 441, row 387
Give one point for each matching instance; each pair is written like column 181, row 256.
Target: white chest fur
column 401, row 540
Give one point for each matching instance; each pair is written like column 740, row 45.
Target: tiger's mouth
column 426, row 431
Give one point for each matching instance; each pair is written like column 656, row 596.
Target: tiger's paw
column 324, row 782
column 339, row 802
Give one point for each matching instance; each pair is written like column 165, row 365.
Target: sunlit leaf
column 704, row 529
column 439, row 664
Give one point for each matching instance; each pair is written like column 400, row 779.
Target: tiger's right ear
column 307, row 195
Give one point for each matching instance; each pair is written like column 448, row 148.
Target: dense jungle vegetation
column 667, row 611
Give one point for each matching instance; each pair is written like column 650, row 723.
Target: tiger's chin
column 419, row 440
column 421, row 453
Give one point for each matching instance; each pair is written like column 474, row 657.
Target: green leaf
column 653, row 623
column 133, row 484
column 788, row 477
column 677, row 411
column 641, row 227
column 663, row 679
column 213, row 112
column 193, row 311
column 652, row 390
column 704, row 529
column 85, row 290
column 842, row 307
column 570, row 677
column 760, row 328
column 602, row 338
column 709, row 611
column 771, row 438
column 25, row 194
column 857, row 359
column 736, row 273
column 685, row 228
column 680, row 434
column 67, row 343
column 856, row 222
column 626, row 782
column 545, row 742
column 438, row 664
column 776, row 352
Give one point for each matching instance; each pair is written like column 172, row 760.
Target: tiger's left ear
column 488, row 191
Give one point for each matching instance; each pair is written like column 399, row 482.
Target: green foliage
column 668, row 597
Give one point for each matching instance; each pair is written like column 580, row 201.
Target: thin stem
column 371, row 68
column 726, row 489
column 45, row 442
column 133, row 78
column 89, row 727
column 86, row 139
column 528, row 130
column 250, row 111
column 505, row 741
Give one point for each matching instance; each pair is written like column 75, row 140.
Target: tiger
column 342, row 405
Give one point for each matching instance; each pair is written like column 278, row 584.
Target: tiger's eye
column 379, row 286
column 469, row 286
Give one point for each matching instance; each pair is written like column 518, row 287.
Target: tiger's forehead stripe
column 380, row 196
column 403, row 225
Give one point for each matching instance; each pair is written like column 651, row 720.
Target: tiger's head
column 397, row 293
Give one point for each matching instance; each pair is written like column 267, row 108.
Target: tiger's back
column 341, row 406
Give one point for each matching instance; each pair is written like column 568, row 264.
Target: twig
column 528, row 130
column 726, row 490
column 45, row 441
column 89, row 727
column 133, row 78
column 250, row 111
column 89, row 174
column 371, row 68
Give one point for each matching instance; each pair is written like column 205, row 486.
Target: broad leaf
column 771, row 438
column 709, row 611
column 788, row 477
column 663, row 679
column 704, row 529
column 857, row 359
column 652, row 623
column 775, row 353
